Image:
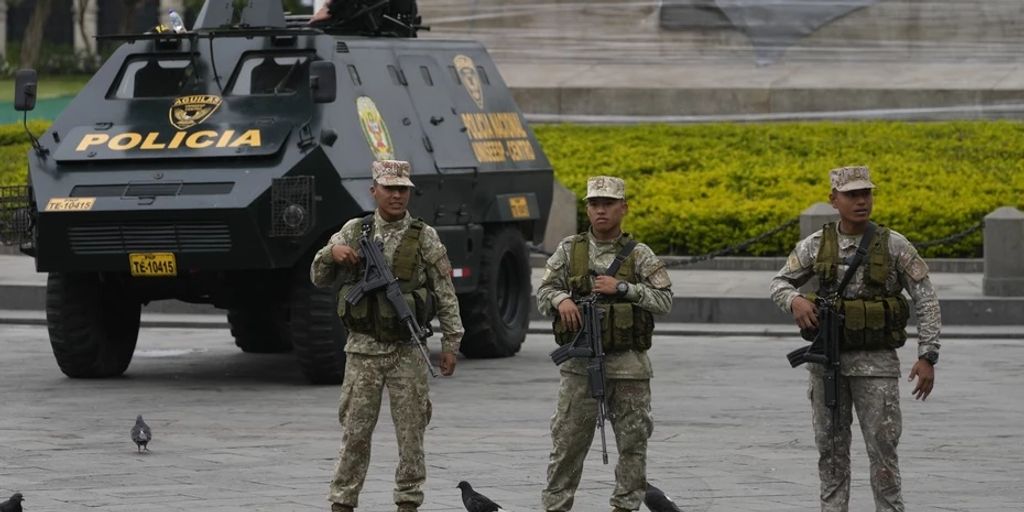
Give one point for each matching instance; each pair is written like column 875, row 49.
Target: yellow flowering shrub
column 696, row 188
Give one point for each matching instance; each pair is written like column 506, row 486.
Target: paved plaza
column 236, row 431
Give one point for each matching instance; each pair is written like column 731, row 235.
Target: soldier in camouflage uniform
column 875, row 320
column 377, row 352
column 640, row 287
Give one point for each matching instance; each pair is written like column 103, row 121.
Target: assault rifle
column 587, row 343
column 377, row 276
column 824, row 350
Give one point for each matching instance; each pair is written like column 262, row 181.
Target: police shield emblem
column 374, row 129
column 188, row 111
column 470, row 79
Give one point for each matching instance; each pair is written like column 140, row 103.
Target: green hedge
column 696, row 188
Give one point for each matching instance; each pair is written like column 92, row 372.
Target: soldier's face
column 605, row 213
column 853, row 205
column 392, row 201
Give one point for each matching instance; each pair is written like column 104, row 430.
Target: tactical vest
column 373, row 315
column 624, row 326
column 875, row 323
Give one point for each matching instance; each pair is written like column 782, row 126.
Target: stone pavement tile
column 240, row 432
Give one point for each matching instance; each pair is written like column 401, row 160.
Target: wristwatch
column 622, row 288
column 931, row 357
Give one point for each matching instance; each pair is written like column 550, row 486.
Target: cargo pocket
column 896, row 314
column 874, row 320
column 854, row 323
column 355, row 317
column 643, row 329
column 622, row 326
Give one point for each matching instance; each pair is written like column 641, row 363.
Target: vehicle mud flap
column 496, row 315
column 316, row 333
column 93, row 324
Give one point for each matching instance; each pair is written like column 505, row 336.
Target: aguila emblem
column 470, row 79
column 188, row 111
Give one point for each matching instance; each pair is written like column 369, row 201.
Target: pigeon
column 141, row 434
column 656, row 501
column 13, row 504
column 476, row 502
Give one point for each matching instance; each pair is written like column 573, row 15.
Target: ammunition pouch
column 374, row 316
column 869, row 324
column 624, row 327
column 874, row 324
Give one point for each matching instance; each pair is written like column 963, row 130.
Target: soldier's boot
column 619, row 509
column 338, row 507
column 407, row 507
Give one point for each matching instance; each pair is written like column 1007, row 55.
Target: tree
column 128, row 15
column 33, row 38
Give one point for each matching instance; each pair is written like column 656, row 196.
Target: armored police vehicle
column 208, row 166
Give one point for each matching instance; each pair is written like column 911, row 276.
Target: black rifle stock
column 587, row 343
column 376, row 276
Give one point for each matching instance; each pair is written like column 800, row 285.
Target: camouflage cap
column 392, row 173
column 606, row 186
column 845, row 179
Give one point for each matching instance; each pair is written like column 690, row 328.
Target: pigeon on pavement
column 476, row 502
column 141, row 434
column 13, row 504
column 656, row 500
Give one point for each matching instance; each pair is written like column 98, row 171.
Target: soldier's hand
column 448, row 360
column 925, row 373
column 605, row 285
column 570, row 315
column 805, row 313
column 344, row 255
column 322, row 14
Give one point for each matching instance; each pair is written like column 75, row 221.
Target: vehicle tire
column 496, row 315
column 316, row 331
column 260, row 327
column 93, row 324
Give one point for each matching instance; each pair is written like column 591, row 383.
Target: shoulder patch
column 917, row 269
column 659, row 278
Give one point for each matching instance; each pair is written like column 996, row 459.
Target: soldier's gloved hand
column 926, row 379
column 570, row 315
column 805, row 313
column 448, row 360
column 605, row 285
column 344, row 255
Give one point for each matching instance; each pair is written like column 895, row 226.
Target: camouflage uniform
column 371, row 365
column 628, row 387
column 870, row 379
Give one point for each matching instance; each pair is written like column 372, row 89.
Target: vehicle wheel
column 496, row 315
column 260, row 327
column 93, row 325
column 316, row 331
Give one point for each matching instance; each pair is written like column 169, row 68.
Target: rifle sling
column 858, row 258
column 624, row 253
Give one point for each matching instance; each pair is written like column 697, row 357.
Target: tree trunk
column 33, row 39
column 128, row 16
column 81, row 7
